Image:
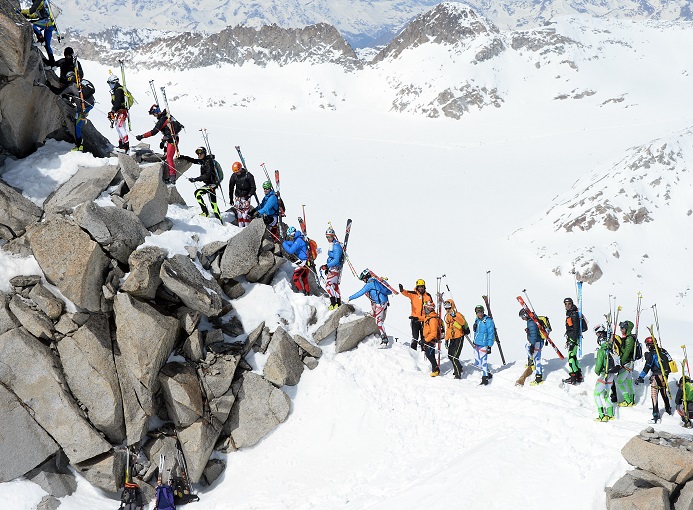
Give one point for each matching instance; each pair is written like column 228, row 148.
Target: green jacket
column 627, row 348
column 600, row 366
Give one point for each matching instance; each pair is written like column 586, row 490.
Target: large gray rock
column 35, row 321
column 129, row 169
column 56, row 480
column 638, row 479
column 672, row 464
column 212, row 471
column 90, row 371
column 71, row 260
column 30, row 371
column 145, row 266
column 145, row 338
column 165, row 446
column 15, row 43
column 217, row 371
column 118, row 231
column 350, row 334
column 241, row 253
column 644, row 499
column 136, row 419
column 258, row 410
column 23, row 443
column 16, row 212
column 182, row 395
column 685, row 498
column 7, row 320
column 47, row 302
column 283, row 366
column 86, row 185
column 194, row 346
column 48, row 503
column 312, row 350
column 266, row 261
column 105, row 471
column 182, row 277
column 331, row 323
column 148, row 198
column 197, row 443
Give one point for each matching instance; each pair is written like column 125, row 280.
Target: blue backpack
column 164, row 498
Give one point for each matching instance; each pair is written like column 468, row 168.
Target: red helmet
column 236, row 167
column 649, row 341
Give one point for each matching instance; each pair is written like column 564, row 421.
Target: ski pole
column 487, row 301
column 637, row 314
column 151, row 86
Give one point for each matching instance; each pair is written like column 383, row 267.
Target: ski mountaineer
column 484, row 335
column 82, row 108
column 418, row 297
column 169, row 139
column 606, row 370
column 296, row 245
column 658, row 381
column 331, row 269
column 208, row 175
column 682, row 406
column 377, row 293
column 119, row 112
column 572, row 335
column 66, row 65
column 242, row 187
column 626, row 352
column 268, row 210
column 43, row 26
column 431, row 329
column 533, row 347
column 456, row 327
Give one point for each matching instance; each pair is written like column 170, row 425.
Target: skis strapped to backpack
column 129, row 98
column 579, row 298
column 662, row 368
column 173, row 124
column 182, row 491
column 542, row 330
column 383, row 281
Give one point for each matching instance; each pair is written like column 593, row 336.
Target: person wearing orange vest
column 417, row 297
column 431, row 330
column 455, row 328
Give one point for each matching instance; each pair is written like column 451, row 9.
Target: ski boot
column 572, row 379
column 414, row 344
column 435, row 372
column 333, row 304
column 578, row 376
column 484, row 381
column 537, row 381
column 383, row 342
column 655, row 418
column 78, row 148
column 687, row 424
column 626, row 403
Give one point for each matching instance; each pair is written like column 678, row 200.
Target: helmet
column 365, row 274
column 428, row 305
column 523, row 313
column 623, row 325
column 266, row 185
column 649, row 341
column 568, row 300
column 420, row 283
column 68, row 52
column 154, row 110
column 478, row 308
column 112, row 79
column 329, row 232
column 600, row 330
column 291, row 231
column 201, row 150
column 70, row 76
column 236, row 167
column 447, row 304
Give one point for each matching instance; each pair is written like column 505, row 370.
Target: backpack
column 618, row 344
column 613, row 362
column 181, row 492
column 313, row 249
column 583, row 323
column 218, row 172
column 381, row 289
column 129, row 98
column 164, row 497
column 131, row 498
column 637, row 352
column 545, row 322
column 176, row 126
column 670, row 366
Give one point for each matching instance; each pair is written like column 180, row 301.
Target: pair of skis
column 542, row 330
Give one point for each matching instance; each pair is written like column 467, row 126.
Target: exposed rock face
column 330, row 325
column 350, row 334
column 241, row 254
column 148, row 198
column 676, row 466
column 105, row 471
column 197, row 442
column 181, row 393
column 182, row 278
column 145, row 268
column 47, row 302
column 86, row 185
column 283, row 366
column 35, row 321
column 16, row 212
column 7, row 320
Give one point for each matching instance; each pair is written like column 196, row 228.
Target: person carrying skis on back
column 418, row 297
column 658, row 381
column 626, row 351
column 208, row 175
column 119, row 112
column 43, row 25
column 606, row 370
column 533, row 347
column 572, row 335
column 74, row 95
column 296, row 245
column 484, row 336
column 681, row 406
column 456, row 328
column 331, row 269
column 268, row 210
column 377, row 293
column 431, row 332
column 169, row 140
column 242, row 187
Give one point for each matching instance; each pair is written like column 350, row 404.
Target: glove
column 323, row 268
column 139, row 137
column 401, row 287
column 489, row 350
column 24, row 12
column 447, row 344
column 162, row 144
column 111, row 115
column 639, row 380
column 251, row 212
column 192, row 179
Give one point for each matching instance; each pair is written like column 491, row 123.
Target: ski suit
column 533, row 346
column 377, row 293
column 689, row 401
column 624, row 379
column 455, row 328
column 169, row 141
column 658, row 382
column 572, row 335
column 431, row 332
column 208, row 175
column 43, row 25
column 119, row 109
column 484, row 336
column 242, row 188
column 299, row 248
column 82, row 109
column 331, row 268
column 605, row 377
column 66, row 65
column 269, row 210
column 417, row 313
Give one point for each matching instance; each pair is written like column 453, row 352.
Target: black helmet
column 478, row 308
column 568, row 300
column 68, row 52
column 201, row 151
column 523, row 314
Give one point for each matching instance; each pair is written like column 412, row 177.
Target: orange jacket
column 454, row 326
column 431, row 327
column 417, row 301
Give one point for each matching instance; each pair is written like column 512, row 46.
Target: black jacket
column 244, row 184
column 66, row 65
column 207, row 173
column 572, row 323
column 118, row 99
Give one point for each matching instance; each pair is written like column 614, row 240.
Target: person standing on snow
column 626, row 352
column 296, row 245
column 431, row 334
column 119, row 112
column 208, row 175
column 377, row 293
column 572, row 335
column 606, row 369
column 169, row 128
column 658, row 381
column 331, row 269
column 418, row 297
column 269, row 211
column 533, row 346
column 456, row 328
column 242, row 187
column 484, row 336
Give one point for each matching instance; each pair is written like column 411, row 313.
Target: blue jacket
column 334, row 256
column 377, row 292
column 533, row 335
column 269, row 205
column 485, row 332
column 296, row 247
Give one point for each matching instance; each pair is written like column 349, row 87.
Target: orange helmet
column 236, row 167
